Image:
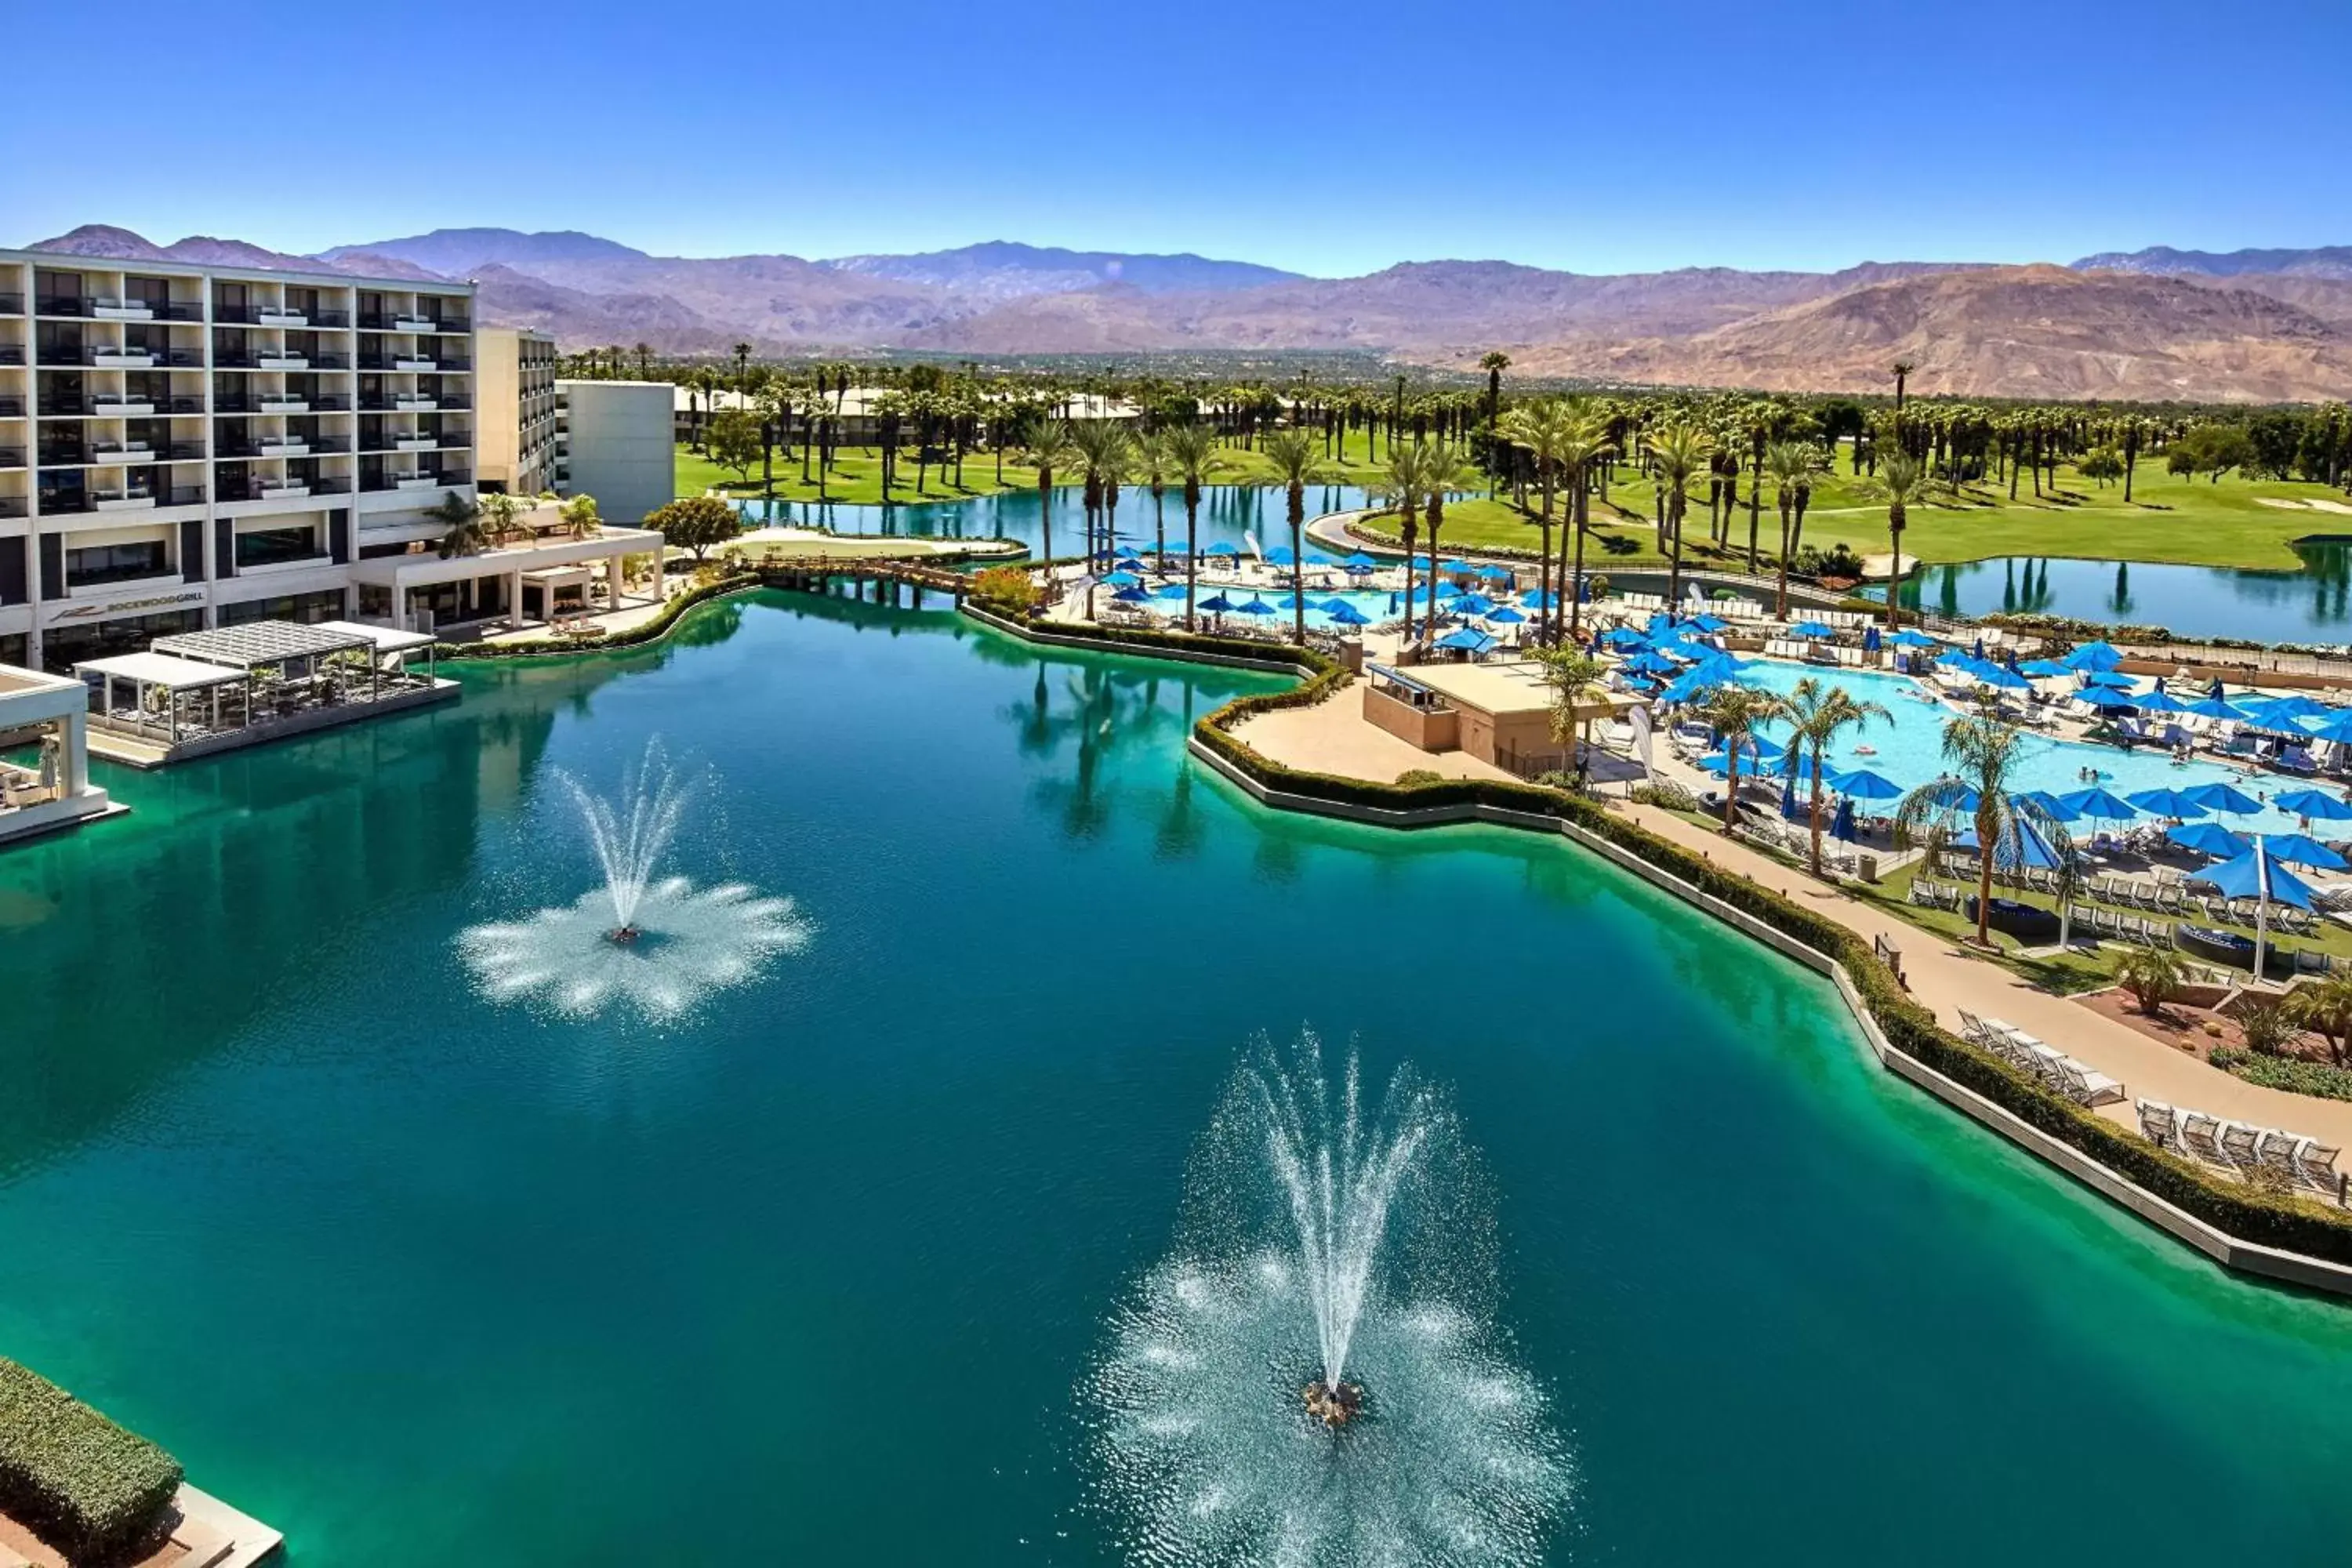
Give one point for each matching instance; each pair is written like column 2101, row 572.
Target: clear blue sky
column 1327, row 138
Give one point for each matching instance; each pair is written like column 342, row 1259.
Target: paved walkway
column 1333, row 737
column 1947, row 979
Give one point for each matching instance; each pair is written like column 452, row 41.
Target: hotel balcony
column 131, row 498
column 108, row 357
column 419, row 479
column 11, row 507
column 12, row 353
column 96, row 308
column 12, row 304
column 252, row 490
column 12, row 408
column 12, row 456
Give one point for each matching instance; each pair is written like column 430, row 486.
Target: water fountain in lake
column 656, row 941
column 1313, row 1376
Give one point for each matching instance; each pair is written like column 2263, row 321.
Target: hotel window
column 99, row 564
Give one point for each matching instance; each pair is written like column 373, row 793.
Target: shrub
column 1413, row 778
column 2152, row 976
column 695, row 524
column 1665, row 793
column 2319, row 1079
column 1009, row 588
column 82, row 1483
column 1838, row 561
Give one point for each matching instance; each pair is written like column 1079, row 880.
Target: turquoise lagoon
column 822, row 1271
column 2313, row 605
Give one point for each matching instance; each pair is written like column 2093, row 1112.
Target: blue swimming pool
column 1908, row 747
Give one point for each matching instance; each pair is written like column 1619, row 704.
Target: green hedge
column 84, row 1485
column 650, row 631
column 2293, row 1225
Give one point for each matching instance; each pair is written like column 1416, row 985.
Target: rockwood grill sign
column 127, row 606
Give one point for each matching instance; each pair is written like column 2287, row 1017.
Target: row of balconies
column 104, row 308
column 103, row 453
column 107, row 307
column 143, row 405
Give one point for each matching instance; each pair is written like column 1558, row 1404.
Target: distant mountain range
column 2258, row 325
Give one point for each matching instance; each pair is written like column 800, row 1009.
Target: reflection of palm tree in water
column 2119, row 602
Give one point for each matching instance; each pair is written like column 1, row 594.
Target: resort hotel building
column 185, row 448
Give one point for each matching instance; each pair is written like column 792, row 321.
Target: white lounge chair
column 2277, row 1151
column 2239, row 1145
column 2157, row 1123
column 2201, row 1135
column 2087, row 1086
column 2314, row 1165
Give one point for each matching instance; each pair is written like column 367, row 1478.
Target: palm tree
column 1444, row 468
column 1297, row 457
column 1542, row 429
column 1116, row 463
column 1903, row 369
column 1572, row 676
column 1152, row 466
column 1098, row 441
column 1050, row 448
column 1791, row 465
column 1193, row 453
column 1985, row 752
column 1737, row 712
column 1678, row 453
column 465, row 534
column 742, row 358
column 644, row 352
column 1405, row 483
column 1817, row 714
column 2324, row 1007
column 1586, row 447
column 1902, row 483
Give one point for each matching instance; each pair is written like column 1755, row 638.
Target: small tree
column 695, row 524
column 499, row 511
column 2267, row 1025
column 734, row 441
column 463, row 533
column 2324, row 1007
column 2153, row 977
column 1738, row 712
column 580, row 511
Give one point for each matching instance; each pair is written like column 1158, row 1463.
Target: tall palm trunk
column 1045, row 526
column 1409, row 530
column 1895, row 521
column 1731, row 748
column 1299, row 564
column 1813, row 812
column 1192, row 538
column 1575, row 590
column 1987, row 824
column 1675, row 537
column 1780, row 601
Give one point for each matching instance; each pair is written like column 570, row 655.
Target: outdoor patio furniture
column 2087, row 1087
column 2200, row 1135
column 2157, row 1123
column 2239, row 1145
column 2314, row 1165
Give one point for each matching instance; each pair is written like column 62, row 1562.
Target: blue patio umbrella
column 1505, row 616
column 2042, row 669
column 1842, row 827
column 1812, row 629
column 2214, row 690
column 2267, row 715
column 2169, row 802
column 1978, row 649
column 1454, row 567
column 1223, row 547
column 2057, row 809
column 1254, row 607
column 1467, row 638
column 1171, row 591
column 1907, row 637
column 2024, row 846
column 1279, row 556
column 1174, row 547
column 2299, row 850
column 1346, row 614
column 1537, row 599
column 1422, row 592
column 2161, row 702
column 1693, row 686
column 2109, row 679
column 1121, row 579
column 1131, row 596
column 1216, row 605
column 2314, row 803
column 1651, row 664
column 1864, row 784
column 1949, row 793
column 1707, row 624
column 1788, row 798
column 2222, row 797
column 2092, row 656
column 2103, row 804
column 2259, row 874
column 2214, row 708
column 1126, row 552
column 1622, row 637
column 2336, row 727
column 1360, row 561
column 1660, row 623
column 1393, row 604
column 1495, row 572
column 2101, row 698
column 1993, row 675
column 1474, row 604
column 2208, row 839
column 1753, row 755
column 2301, row 707
column 1870, row 640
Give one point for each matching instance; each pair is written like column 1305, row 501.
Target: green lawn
column 2187, row 521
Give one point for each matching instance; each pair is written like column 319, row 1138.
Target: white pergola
column 151, row 672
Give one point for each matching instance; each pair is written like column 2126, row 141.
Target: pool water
column 817, row 1275
column 1907, row 748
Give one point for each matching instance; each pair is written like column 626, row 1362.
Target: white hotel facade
column 183, row 448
